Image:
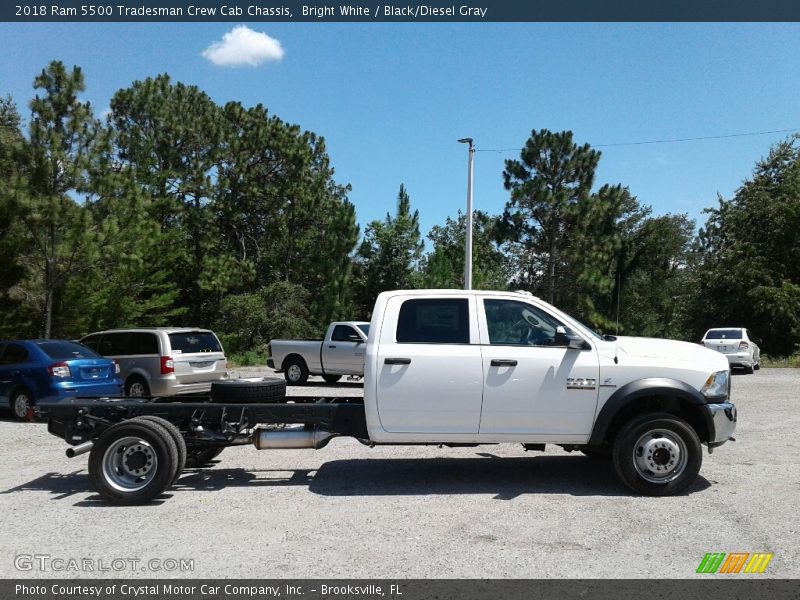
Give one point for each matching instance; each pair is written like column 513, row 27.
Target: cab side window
column 342, row 333
column 512, row 323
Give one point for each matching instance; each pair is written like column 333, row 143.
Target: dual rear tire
column 135, row 461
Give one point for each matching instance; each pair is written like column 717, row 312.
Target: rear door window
column 192, row 342
column 14, row 354
column 143, row 343
column 66, row 350
column 114, row 344
column 433, row 321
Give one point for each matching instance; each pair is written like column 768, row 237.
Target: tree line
column 172, row 209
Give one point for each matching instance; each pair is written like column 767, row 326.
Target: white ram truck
column 443, row 367
column 340, row 353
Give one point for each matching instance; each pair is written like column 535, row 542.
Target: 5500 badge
column 53, row 10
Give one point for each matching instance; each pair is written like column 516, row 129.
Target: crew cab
column 340, row 353
column 442, row 367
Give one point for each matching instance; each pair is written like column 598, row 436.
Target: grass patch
column 251, row 358
column 781, row 362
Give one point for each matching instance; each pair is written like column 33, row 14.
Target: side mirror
column 354, row 338
column 570, row 340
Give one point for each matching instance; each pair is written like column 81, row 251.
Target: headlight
column 717, row 386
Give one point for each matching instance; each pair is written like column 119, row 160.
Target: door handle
column 504, row 362
column 331, row 346
column 397, row 361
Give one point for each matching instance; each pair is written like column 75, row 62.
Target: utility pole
column 468, row 244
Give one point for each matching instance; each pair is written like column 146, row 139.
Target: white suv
column 163, row 361
column 738, row 344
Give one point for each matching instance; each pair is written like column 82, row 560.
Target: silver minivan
column 163, row 361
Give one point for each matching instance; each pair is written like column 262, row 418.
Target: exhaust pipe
column 80, row 449
column 291, row 438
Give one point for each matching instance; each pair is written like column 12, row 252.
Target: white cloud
column 242, row 46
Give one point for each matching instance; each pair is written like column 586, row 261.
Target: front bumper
column 721, row 419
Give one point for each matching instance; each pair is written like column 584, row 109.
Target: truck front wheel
column 133, row 462
column 657, row 454
column 295, row 370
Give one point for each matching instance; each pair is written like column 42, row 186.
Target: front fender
column 645, row 388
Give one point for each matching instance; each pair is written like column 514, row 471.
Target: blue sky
column 392, row 99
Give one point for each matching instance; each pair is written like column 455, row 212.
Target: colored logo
column 735, row 562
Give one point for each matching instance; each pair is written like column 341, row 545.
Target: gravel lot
column 352, row 511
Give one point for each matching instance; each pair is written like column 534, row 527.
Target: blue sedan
column 41, row 371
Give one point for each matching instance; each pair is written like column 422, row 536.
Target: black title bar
column 381, row 11
column 727, row 588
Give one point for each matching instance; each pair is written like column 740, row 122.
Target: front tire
column 20, row 401
column 657, row 455
column 133, row 462
column 331, row 378
column 295, row 371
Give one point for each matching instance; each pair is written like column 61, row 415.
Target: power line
column 672, row 141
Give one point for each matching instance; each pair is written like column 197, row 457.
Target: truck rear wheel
column 248, row 391
column 133, row 462
column 180, row 443
column 295, row 370
column 657, row 454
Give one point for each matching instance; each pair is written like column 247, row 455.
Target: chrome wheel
column 22, row 403
column 136, row 389
column 129, row 464
column 660, row 456
column 294, row 373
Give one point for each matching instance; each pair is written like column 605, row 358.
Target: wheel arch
column 290, row 357
column 139, row 372
column 651, row 395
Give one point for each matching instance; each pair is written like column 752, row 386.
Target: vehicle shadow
column 503, row 478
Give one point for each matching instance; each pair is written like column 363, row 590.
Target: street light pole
column 468, row 244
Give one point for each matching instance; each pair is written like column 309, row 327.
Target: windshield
column 364, row 328
column 589, row 329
